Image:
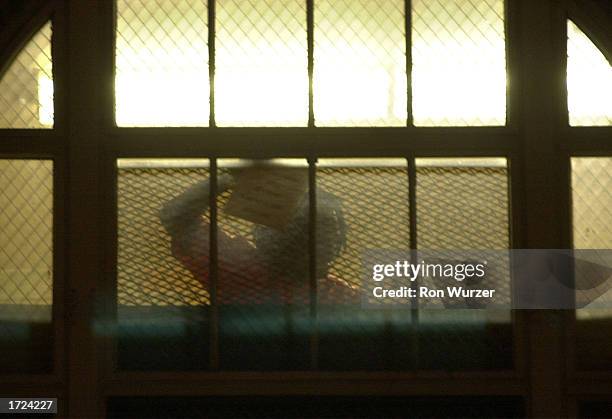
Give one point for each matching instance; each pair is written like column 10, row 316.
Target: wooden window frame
column 85, row 144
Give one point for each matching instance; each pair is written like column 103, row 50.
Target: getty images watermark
column 517, row 279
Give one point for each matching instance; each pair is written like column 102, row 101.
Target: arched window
column 305, row 135
column 589, row 81
column 26, row 86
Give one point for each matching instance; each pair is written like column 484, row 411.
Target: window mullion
column 211, row 60
column 310, row 41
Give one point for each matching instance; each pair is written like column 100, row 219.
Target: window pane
column 592, row 200
column 370, row 199
column 463, row 204
column 589, row 81
column 263, row 293
column 26, row 89
column 261, row 74
column 26, row 265
column 359, row 63
column 162, row 63
column 458, row 63
column 592, row 227
column 162, row 304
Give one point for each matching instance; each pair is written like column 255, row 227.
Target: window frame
column 85, row 144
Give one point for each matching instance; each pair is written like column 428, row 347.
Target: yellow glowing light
column 348, row 94
column 459, row 64
column 360, row 63
column 262, row 97
column 456, row 80
column 589, row 81
column 159, row 98
column 261, row 76
column 45, row 100
column 465, row 95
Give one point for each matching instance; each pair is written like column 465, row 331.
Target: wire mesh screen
column 148, row 273
column 359, row 63
column 26, row 220
column 592, row 214
column 26, row 265
column 592, row 228
column 592, row 202
column 589, row 80
column 463, row 204
column 26, row 88
column 261, row 76
column 263, row 289
column 372, row 202
column 161, row 304
column 458, row 63
column 162, row 63
column 263, row 286
column 375, row 209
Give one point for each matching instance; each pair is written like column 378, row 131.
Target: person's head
column 287, row 251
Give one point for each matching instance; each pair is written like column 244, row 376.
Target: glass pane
column 592, row 200
column 263, row 292
column 261, row 74
column 458, row 63
column 361, row 204
column 589, row 81
column 162, row 301
column 592, row 226
column 162, row 63
column 463, row 204
column 360, row 63
column 26, row 265
column 26, row 88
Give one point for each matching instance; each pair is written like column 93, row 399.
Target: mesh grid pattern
column 459, row 65
column 263, row 264
column 359, row 63
column 459, row 208
column 465, row 208
column 592, row 214
column 374, row 202
column 375, row 207
column 261, row 74
column 26, row 88
column 462, row 208
column 148, row 274
column 592, row 202
column 162, row 63
column 26, row 235
column 589, row 81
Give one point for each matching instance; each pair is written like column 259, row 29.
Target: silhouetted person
column 271, row 268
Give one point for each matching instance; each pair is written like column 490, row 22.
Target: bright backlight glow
column 458, row 74
column 154, row 98
column 589, row 81
column 45, row 100
column 261, row 76
column 359, row 63
column 459, row 63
